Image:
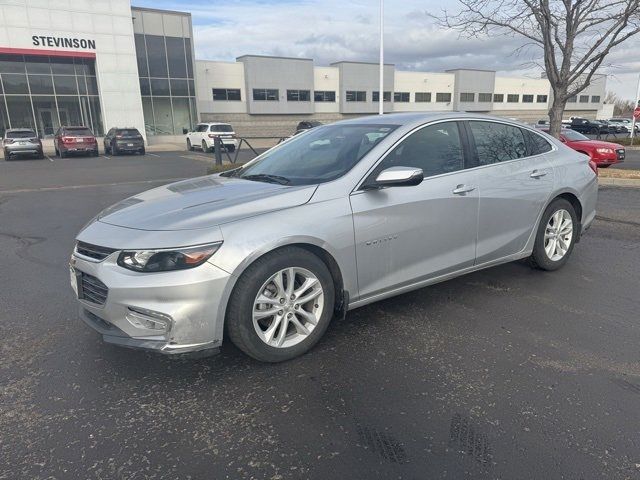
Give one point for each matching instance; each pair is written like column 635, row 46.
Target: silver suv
column 339, row 217
column 21, row 141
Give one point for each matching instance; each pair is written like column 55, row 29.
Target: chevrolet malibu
column 336, row 218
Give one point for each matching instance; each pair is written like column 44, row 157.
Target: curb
column 619, row 182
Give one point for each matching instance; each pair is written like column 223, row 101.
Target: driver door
column 405, row 235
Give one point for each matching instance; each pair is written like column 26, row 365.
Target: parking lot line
column 94, row 185
column 50, row 159
column 104, row 156
column 153, row 154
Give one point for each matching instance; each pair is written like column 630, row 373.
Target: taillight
column 594, row 166
column 68, row 139
column 212, row 135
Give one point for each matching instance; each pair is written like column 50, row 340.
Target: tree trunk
column 555, row 117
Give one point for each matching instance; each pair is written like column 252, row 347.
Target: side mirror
column 397, row 177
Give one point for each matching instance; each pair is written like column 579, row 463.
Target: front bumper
column 187, row 302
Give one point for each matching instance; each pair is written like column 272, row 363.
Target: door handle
column 462, row 189
column 537, row 174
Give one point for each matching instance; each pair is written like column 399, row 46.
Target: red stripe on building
column 47, row 53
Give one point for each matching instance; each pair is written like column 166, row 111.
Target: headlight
column 167, row 259
column 604, row 150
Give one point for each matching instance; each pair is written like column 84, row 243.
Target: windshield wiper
column 265, row 177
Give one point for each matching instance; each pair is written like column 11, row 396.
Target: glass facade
column 167, row 84
column 44, row 93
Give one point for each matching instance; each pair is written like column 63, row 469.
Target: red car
column 70, row 140
column 602, row 153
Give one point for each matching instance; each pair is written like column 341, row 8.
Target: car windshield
column 318, row 156
column 21, row 134
column 221, row 128
column 574, row 136
column 79, row 131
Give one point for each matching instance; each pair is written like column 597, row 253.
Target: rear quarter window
column 536, row 144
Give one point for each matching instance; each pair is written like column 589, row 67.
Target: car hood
column 597, row 144
column 203, row 202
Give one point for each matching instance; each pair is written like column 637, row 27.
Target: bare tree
column 621, row 107
column 574, row 37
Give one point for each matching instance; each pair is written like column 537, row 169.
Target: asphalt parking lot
column 508, row 373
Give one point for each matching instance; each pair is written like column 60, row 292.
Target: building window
column 467, row 97
column 527, row 98
column 595, row 99
column 402, row 97
column 443, row 97
column 542, row 98
column 498, row 97
column 44, row 93
column 298, row 95
column 484, row 97
column 513, row 98
column 324, row 96
column 584, row 98
column 423, row 97
column 226, row 94
column 572, row 99
column 266, row 95
column 376, row 97
column 356, row 96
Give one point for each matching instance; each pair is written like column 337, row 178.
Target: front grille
column 93, row 251
column 91, row 289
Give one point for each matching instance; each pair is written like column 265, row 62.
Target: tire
column 7, row 156
column 107, row 150
column 40, row 155
column 206, row 149
column 240, row 323
column 540, row 258
column 143, row 151
column 61, row 154
column 114, row 150
column 189, row 146
column 231, row 148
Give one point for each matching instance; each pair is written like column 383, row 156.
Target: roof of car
column 19, row 130
column 418, row 118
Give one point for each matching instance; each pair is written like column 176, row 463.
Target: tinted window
column 131, row 132
column 41, row 84
column 80, row 131
column 15, row 83
column 435, row 149
column 21, row 134
column 157, row 55
column 160, row 87
column 497, row 142
column 176, row 57
column 537, row 144
column 65, row 85
column 221, row 128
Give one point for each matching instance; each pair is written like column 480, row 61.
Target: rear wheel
column 189, row 146
column 281, row 305
column 231, row 148
column 7, row 155
column 143, row 151
column 205, row 148
column 556, row 236
column 114, row 150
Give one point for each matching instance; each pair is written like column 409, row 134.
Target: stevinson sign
column 63, row 42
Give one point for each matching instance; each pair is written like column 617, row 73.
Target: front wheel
column 189, row 146
column 556, row 237
column 281, row 305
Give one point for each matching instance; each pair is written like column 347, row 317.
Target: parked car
column 124, row 140
column 620, row 127
column 626, row 122
column 585, row 126
column 204, row 135
column 21, row 141
column 73, row 140
column 307, row 125
column 342, row 216
column 604, row 154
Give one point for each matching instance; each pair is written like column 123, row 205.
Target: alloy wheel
column 288, row 307
column 558, row 235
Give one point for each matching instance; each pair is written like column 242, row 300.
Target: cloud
column 334, row 30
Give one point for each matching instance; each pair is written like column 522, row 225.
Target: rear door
column 406, row 235
column 515, row 181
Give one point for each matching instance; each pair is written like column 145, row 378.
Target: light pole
column 635, row 107
column 381, row 95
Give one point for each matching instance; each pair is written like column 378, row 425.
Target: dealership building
column 105, row 63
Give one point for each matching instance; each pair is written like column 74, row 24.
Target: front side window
column 497, row 142
column 436, row 149
column 322, row 154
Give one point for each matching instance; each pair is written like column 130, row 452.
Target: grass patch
column 615, row 173
column 222, row 168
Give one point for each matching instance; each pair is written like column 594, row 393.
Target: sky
column 333, row 30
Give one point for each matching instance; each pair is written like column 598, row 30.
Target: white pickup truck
column 204, row 134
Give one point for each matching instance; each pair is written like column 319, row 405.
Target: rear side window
column 436, row 149
column 536, row 143
column 221, row 128
column 22, row 134
column 80, row 131
column 497, row 142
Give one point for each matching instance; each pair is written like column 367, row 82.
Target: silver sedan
column 333, row 219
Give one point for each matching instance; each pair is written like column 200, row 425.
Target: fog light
column 148, row 319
